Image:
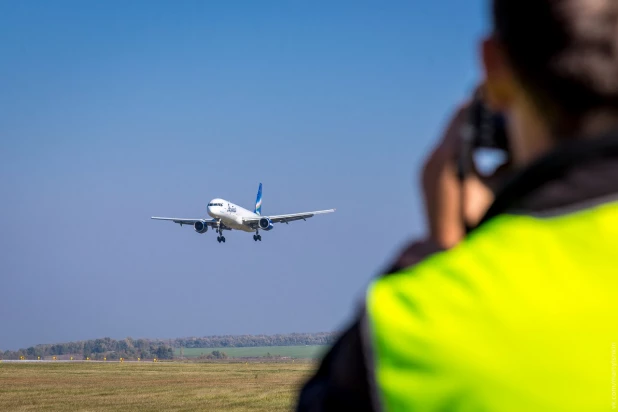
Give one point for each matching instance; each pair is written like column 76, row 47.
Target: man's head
column 552, row 67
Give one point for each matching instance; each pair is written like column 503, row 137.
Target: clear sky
column 115, row 111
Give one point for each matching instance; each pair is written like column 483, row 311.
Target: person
column 521, row 312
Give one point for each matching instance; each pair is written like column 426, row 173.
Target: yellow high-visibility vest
column 521, row 316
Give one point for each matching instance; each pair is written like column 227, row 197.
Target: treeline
column 215, row 354
column 97, row 349
column 129, row 348
column 245, row 341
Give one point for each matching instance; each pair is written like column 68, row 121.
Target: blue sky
column 113, row 111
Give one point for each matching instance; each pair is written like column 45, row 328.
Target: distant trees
column 292, row 339
column 98, row 349
column 215, row 354
column 130, row 348
column 33, row 352
column 164, row 352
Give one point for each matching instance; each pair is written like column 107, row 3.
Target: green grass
column 300, row 352
column 149, row 386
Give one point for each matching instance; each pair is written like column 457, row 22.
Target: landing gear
column 220, row 238
column 257, row 236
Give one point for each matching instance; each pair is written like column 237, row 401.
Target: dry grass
column 151, row 386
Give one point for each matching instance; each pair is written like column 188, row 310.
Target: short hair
column 564, row 53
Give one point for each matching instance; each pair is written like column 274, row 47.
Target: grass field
column 151, row 386
column 301, row 352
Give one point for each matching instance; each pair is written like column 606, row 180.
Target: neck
column 531, row 137
column 597, row 123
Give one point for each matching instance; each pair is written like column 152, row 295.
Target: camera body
column 484, row 132
column 487, row 128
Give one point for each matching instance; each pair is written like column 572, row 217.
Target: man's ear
column 499, row 80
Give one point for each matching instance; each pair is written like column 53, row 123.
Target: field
column 301, row 352
column 163, row 386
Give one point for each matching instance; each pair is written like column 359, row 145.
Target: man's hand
column 444, row 191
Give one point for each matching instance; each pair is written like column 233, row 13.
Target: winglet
column 258, row 201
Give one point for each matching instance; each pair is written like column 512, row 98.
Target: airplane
column 228, row 216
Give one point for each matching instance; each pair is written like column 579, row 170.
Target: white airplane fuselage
column 230, row 214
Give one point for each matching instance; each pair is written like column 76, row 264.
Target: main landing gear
column 257, row 236
column 220, row 238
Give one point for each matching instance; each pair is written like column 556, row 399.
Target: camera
column 487, row 128
column 484, row 140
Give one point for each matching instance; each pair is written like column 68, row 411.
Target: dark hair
column 565, row 54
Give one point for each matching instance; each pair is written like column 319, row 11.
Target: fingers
column 450, row 203
column 452, row 134
column 441, row 186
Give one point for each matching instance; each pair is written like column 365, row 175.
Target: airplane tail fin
column 258, row 201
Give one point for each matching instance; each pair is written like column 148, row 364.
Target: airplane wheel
column 259, row 237
column 222, row 239
column 255, row 238
column 218, row 239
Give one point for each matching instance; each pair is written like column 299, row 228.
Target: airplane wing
column 287, row 218
column 180, row 221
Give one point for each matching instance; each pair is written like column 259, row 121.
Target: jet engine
column 265, row 224
column 200, row 227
